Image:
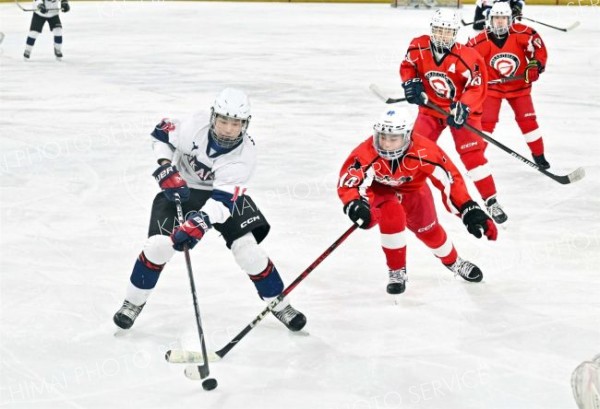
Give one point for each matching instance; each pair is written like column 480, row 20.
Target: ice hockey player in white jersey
column 46, row 11
column 207, row 160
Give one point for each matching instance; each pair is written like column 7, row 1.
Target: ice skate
column 541, row 161
column 466, row 270
column 397, row 283
column 495, row 210
column 125, row 317
column 293, row 319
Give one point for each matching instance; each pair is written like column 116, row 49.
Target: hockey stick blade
column 192, row 372
column 573, row 26
column 183, row 356
column 377, row 91
column 574, row 176
column 563, row 29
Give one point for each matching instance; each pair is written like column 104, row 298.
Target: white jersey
column 203, row 165
column 53, row 7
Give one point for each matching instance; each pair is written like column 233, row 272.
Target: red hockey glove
column 476, row 220
column 532, row 71
column 190, row 232
column 171, row 182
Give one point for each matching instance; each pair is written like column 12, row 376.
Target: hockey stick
column 178, row 356
column 574, row 176
column 207, row 383
column 464, row 23
column 506, row 79
column 388, row 100
column 571, row 27
column 24, row 9
column 377, row 91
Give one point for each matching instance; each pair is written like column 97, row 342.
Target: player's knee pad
column 527, row 124
column 254, row 261
column 159, row 249
column 476, row 165
column 57, row 31
column 392, row 218
column 248, row 254
column 488, row 126
column 473, row 159
column 433, row 237
column 31, row 37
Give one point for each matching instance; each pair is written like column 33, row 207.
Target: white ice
column 77, row 188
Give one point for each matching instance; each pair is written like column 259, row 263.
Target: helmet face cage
column 394, row 126
column 230, row 104
column 499, row 10
column 444, row 28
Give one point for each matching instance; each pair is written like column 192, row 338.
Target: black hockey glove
column 458, row 115
column 42, row 8
column 477, row 220
column 359, row 212
column 413, row 91
column 64, row 6
column 171, row 182
column 517, row 9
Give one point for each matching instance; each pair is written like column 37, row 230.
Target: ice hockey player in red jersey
column 512, row 50
column 452, row 76
column 383, row 181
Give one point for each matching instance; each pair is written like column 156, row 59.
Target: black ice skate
column 58, row 54
column 125, row 317
column 541, row 161
column 466, row 270
column 397, row 283
column 27, row 54
column 495, row 210
column 293, row 319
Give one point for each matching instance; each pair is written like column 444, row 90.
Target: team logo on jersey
column 537, row 42
column 200, row 169
column 506, row 64
column 442, row 84
column 390, row 181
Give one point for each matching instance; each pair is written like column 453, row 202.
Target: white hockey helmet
column 499, row 9
column 393, row 128
column 230, row 103
column 444, row 27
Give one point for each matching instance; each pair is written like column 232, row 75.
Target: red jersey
column 508, row 57
column 459, row 76
column 424, row 160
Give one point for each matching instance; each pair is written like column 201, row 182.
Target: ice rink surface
column 76, row 190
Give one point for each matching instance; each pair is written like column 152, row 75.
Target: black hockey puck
column 209, row 384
